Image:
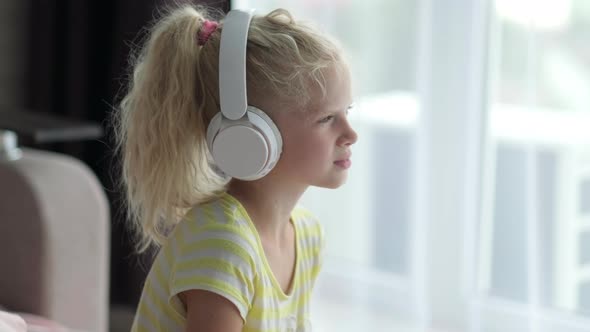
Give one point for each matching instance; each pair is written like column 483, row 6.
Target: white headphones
column 244, row 142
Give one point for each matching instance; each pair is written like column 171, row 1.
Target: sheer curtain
column 535, row 236
column 462, row 211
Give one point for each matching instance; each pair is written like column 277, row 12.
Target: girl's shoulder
column 220, row 217
column 308, row 224
column 305, row 217
column 223, row 210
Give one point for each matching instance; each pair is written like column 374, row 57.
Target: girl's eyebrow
column 338, row 110
column 321, row 113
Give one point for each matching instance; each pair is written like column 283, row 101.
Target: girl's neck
column 268, row 205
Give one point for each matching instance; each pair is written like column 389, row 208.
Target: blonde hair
column 172, row 94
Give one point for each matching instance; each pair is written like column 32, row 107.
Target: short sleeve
column 216, row 258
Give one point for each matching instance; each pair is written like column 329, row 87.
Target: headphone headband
column 232, row 58
column 244, row 142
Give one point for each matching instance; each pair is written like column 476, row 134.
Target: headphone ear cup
column 246, row 149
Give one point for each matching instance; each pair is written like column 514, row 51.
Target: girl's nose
column 349, row 137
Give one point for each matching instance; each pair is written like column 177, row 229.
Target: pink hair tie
column 206, row 30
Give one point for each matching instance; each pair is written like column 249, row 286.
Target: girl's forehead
column 295, row 116
column 334, row 95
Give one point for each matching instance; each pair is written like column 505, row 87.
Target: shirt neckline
column 276, row 284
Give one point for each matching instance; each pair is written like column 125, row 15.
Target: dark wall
column 13, row 29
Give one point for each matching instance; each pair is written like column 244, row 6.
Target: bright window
column 536, row 238
column 468, row 203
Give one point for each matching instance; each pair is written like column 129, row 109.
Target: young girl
column 218, row 195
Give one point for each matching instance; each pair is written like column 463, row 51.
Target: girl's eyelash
column 330, row 117
column 347, row 110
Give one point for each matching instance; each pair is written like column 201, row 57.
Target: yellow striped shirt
column 216, row 248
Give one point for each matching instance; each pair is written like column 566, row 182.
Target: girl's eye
column 326, row 119
column 349, row 108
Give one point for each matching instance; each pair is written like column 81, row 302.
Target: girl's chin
column 333, row 183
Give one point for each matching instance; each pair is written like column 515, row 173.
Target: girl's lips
column 346, row 163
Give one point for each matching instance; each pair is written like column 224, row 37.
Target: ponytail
column 161, row 127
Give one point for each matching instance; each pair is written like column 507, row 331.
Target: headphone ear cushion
column 213, row 129
column 270, row 130
column 247, row 148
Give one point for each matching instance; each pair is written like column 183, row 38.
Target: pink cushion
column 38, row 321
